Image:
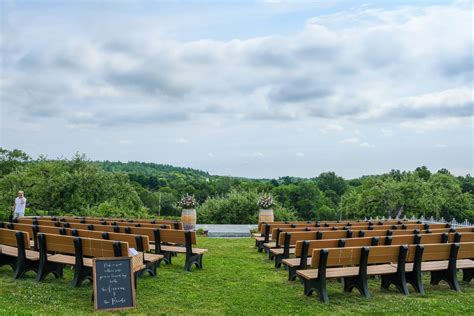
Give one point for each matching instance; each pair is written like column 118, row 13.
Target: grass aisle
column 236, row 280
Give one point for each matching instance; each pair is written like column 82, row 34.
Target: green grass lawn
column 236, row 280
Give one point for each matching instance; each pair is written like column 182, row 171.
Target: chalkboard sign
column 114, row 286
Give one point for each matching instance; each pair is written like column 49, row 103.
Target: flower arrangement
column 188, row 201
column 265, row 202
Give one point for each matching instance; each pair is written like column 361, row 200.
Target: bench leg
column 415, row 279
column 358, row 282
column 292, row 273
column 260, row 245
column 80, row 275
column 46, row 268
column 450, row 276
column 151, row 268
column 196, row 260
column 167, row 257
column 398, row 280
column 23, row 267
column 318, row 285
column 278, row 259
column 7, row 260
column 467, row 274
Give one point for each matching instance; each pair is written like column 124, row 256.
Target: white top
column 20, row 204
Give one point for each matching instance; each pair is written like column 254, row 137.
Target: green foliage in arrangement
column 135, row 189
column 238, row 207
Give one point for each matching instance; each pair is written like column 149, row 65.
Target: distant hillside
column 148, row 168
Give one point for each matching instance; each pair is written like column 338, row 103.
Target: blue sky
column 243, row 88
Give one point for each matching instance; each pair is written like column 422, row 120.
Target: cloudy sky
column 243, row 88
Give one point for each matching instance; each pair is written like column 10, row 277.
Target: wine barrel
column 265, row 216
column 188, row 217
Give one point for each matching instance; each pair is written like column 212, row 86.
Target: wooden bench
column 140, row 242
column 56, row 251
column 267, row 229
column 14, row 251
column 87, row 226
column 280, row 242
column 442, row 261
column 304, row 249
column 96, row 220
column 179, row 237
column 354, row 265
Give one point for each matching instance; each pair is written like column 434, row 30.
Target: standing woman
column 20, row 205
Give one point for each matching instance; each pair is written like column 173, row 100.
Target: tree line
column 137, row 189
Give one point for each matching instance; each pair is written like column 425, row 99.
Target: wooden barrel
column 265, row 216
column 188, row 217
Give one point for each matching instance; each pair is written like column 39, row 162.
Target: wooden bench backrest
column 130, row 238
column 96, row 226
column 90, row 247
column 126, row 222
column 337, row 257
column 296, row 236
column 49, row 230
column 465, row 237
column 466, row 250
column 465, row 229
column 398, row 240
column 176, row 236
column 336, row 234
column 435, row 252
column 24, row 228
column 30, row 221
column 332, row 243
column 350, row 256
column 323, row 243
column 8, row 238
column 383, row 254
column 274, row 231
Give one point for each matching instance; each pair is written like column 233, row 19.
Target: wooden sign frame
column 132, row 283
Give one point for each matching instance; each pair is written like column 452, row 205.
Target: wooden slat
column 466, row 250
column 436, row 252
column 8, row 237
column 383, row 254
column 175, row 236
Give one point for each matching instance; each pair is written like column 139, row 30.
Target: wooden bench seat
column 197, row 251
column 164, row 237
column 295, row 262
column 56, row 251
column 345, row 272
column 354, row 265
column 304, row 250
column 15, row 252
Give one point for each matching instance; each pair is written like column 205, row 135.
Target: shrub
column 237, row 207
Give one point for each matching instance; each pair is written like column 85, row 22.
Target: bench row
column 397, row 265
column 164, row 242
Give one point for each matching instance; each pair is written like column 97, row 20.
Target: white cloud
column 366, row 145
column 328, row 128
column 252, row 155
column 372, row 62
column 182, row 140
column 387, row 131
column 350, row 140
